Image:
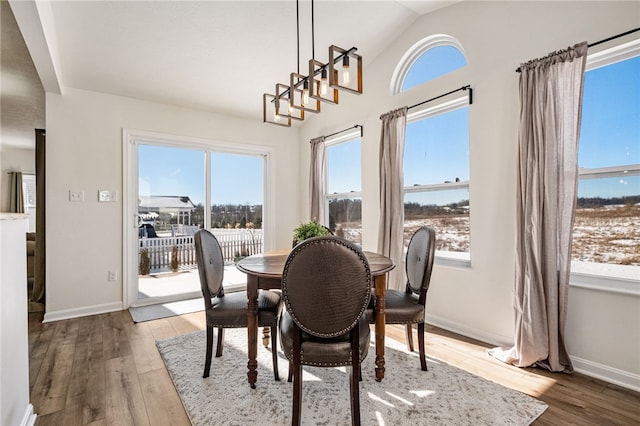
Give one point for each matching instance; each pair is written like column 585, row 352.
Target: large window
column 607, row 222
column 429, row 58
column 344, row 197
column 436, row 176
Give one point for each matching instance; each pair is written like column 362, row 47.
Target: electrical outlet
column 113, row 275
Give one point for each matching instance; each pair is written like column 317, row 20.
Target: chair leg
column 423, row 359
column 409, row 334
column 274, row 352
column 207, row 359
column 220, row 342
column 297, row 380
column 354, row 382
column 354, row 388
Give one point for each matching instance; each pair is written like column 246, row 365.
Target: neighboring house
column 179, row 207
column 84, row 129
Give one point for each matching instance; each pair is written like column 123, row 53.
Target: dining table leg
column 252, row 329
column 380, row 292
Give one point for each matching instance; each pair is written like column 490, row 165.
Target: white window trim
column 606, row 277
column 609, row 172
column 131, row 138
column 442, row 258
column 414, row 52
column 613, row 55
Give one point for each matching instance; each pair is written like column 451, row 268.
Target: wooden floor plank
column 39, row 343
column 50, row 388
column 161, row 329
column 115, row 337
column 184, row 324
column 87, row 387
column 163, row 403
column 143, row 347
column 124, row 401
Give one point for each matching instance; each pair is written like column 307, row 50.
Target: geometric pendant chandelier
column 305, row 93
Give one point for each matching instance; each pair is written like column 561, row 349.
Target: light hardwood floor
column 106, row 370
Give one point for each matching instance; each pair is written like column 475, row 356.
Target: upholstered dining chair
column 326, row 285
column 230, row 310
column 408, row 307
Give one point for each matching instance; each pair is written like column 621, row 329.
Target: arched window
column 429, row 58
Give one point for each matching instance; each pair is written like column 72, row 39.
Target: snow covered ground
column 609, row 234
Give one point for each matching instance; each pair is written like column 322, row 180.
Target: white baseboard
column 82, row 312
column 29, row 418
column 609, row 374
column 474, row 333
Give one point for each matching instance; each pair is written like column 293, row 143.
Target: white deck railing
column 233, row 242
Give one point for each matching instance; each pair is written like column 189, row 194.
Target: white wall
column 15, row 408
column 84, row 153
column 603, row 330
column 13, row 160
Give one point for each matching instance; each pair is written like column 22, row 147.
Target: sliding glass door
column 179, row 188
column 237, row 183
column 171, row 195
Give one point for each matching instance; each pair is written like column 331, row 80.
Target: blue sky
column 235, row 179
column 610, row 131
column 608, row 138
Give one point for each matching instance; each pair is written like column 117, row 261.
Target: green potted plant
column 175, row 259
column 145, row 262
column 308, row 230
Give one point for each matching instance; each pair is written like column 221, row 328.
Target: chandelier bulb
column 324, row 84
column 346, row 76
column 305, row 93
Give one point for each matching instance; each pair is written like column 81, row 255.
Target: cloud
column 622, row 181
column 176, row 172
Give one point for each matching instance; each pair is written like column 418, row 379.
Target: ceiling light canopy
column 305, row 93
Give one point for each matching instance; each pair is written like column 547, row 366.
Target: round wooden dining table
column 264, row 271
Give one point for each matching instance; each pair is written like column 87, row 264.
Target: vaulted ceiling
column 216, row 56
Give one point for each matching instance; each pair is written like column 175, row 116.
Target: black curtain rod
column 467, row 88
column 595, row 43
column 348, row 128
column 614, row 37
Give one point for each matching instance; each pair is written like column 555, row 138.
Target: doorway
column 176, row 187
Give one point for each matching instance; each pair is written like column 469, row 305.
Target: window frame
column 414, row 53
column 452, row 259
column 330, row 142
column 603, row 276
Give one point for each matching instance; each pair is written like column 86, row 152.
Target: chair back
column 210, row 265
column 419, row 261
column 326, row 285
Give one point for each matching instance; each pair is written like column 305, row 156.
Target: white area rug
column 444, row 395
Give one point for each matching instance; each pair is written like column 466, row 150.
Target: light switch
column 105, row 196
column 76, row 196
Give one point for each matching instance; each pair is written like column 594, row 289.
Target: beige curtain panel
column 391, row 228
column 550, row 112
column 317, row 179
column 16, row 200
